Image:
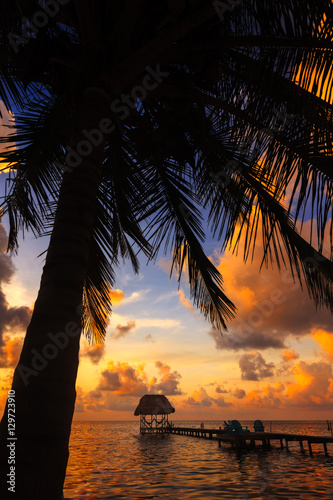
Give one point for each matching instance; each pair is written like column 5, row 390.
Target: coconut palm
column 133, row 119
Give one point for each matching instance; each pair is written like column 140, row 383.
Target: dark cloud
column 244, row 339
column 123, row 330
column 221, row 390
column 239, row 393
column 193, row 402
column 254, row 367
column 110, row 380
column 221, row 403
column 94, row 353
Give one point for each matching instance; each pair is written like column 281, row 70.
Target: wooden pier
column 251, row 438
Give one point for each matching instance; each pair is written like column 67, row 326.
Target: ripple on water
column 111, row 460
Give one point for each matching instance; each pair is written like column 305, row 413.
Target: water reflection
column 112, row 460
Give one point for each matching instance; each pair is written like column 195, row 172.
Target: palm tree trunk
column 44, row 380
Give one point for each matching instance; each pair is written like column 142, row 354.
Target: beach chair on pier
column 258, row 426
column 234, row 427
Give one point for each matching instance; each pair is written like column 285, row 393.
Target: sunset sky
column 275, row 361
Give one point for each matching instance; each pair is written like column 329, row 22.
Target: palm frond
column 177, row 223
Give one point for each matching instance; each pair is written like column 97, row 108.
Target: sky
column 275, row 361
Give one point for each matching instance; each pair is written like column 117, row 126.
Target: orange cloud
column 124, row 380
column 199, row 397
column 289, row 355
column 185, row 301
column 117, row 296
column 325, row 340
column 10, row 352
column 267, row 397
column 79, row 402
column 270, row 306
column 98, row 402
column 312, row 388
column 12, row 319
column 312, row 383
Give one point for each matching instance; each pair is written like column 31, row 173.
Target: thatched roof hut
column 154, row 404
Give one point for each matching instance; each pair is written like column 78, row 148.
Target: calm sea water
column 111, row 460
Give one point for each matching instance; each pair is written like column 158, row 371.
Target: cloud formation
column 245, row 339
column 310, row 390
column 136, row 296
column 122, row 330
column 10, row 351
column 124, row 380
column 185, row 301
column 169, row 381
column 325, row 340
column 12, row 319
column 117, row 296
column 239, row 393
column 289, row 355
column 201, row 399
column 221, row 390
column 254, row 367
column 271, row 308
column 93, row 352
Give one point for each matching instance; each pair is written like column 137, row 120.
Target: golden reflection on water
column 111, row 460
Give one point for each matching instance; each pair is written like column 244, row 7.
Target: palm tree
column 131, row 118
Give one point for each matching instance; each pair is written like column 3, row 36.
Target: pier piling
column 241, row 439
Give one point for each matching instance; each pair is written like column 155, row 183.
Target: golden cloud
column 185, row 301
column 312, row 388
column 325, row 340
column 289, row 355
column 122, row 379
column 270, row 306
column 199, row 397
column 117, row 296
column 10, row 351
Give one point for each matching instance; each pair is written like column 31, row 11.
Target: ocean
column 111, row 460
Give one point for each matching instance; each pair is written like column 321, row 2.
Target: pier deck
column 264, row 438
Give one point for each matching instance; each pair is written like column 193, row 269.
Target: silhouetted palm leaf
column 236, row 124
